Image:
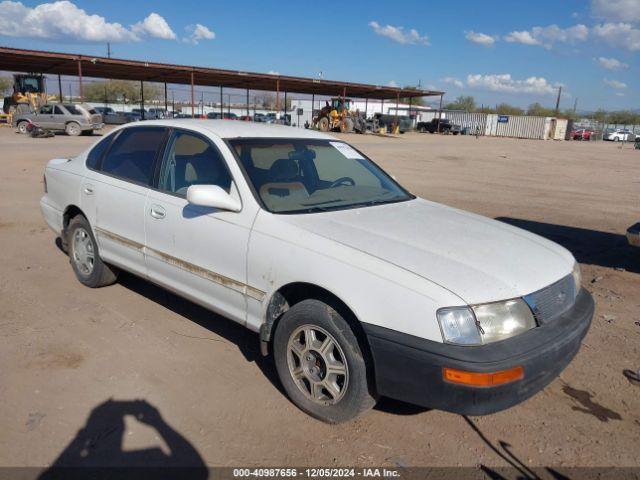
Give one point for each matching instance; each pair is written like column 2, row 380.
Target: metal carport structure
column 36, row 61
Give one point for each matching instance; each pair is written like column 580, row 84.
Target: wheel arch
column 70, row 212
column 295, row 292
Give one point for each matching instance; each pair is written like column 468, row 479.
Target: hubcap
column 82, row 251
column 317, row 364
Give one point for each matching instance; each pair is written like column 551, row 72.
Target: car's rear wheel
column 73, row 129
column 320, row 363
column 85, row 257
column 22, row 127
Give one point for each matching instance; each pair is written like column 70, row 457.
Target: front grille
column 552, row 301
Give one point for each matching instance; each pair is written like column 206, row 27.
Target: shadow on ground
column 592, row 247
column 232, row 332
column 97, row 449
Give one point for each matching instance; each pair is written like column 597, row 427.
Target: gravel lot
column 135, row 367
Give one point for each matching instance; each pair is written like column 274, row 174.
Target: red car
column 582, row 134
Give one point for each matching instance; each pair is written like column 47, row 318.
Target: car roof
column 239, row 129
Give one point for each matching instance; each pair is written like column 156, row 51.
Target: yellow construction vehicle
column 337, row 117
column 29, row 93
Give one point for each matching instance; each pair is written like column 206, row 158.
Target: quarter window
column 132, row 154
column 192, row 160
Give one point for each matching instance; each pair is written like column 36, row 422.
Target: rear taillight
column 44, row 181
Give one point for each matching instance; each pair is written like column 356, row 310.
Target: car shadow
column 97, row 449
column 246, row 340
column 592, row 247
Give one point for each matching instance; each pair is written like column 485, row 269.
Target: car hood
column 476, row 258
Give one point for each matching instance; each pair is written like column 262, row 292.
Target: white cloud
column 623, row 35
column 154, row 26
column 481, row 38
column 616, row 10
column 398, row 34
column 63, row 20
column 59, row 20
column 393, row 83
column 610, row 63
column 198, row 32
column 547, row 36
column 273, row 72
column 453, row 81
column 505, row 83
column 615, row 84
column 619, row 94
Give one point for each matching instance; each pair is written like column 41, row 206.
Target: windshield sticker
column 347, row 150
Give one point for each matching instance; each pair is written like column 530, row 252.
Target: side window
column 191, row 160
column 57, row 110
column 94, row 156
column 132, row 155
column 46, row 109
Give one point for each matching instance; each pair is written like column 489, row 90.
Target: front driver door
column 199, row 252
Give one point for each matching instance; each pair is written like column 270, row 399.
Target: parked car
column 246, row 118
column 111, row 117
column 619, row 135
column 258, row 117
column 358, row 288
column 582, row 134
column 74, row 119
column 132, row 116
column 158, row 113
column 438, row 125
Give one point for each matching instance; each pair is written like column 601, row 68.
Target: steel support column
column 193, row 100
column 60, row 99
column 166, row 104
column 247, row 102
column 221, row 103
column 80, row 79
column 277, row 97
column 142, row 100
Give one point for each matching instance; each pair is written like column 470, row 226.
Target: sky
column 498, row 51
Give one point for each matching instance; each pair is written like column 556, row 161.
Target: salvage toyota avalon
column 357, row 288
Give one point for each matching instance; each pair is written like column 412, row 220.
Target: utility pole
column 575, row 105
column 558, row 100
column 108, row 50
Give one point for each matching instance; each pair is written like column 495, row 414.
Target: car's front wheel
column 85, row 257
column 321, row 364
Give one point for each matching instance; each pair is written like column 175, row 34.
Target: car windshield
column 308, row 175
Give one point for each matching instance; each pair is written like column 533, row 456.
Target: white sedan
column 357, row 288
column 618, row 135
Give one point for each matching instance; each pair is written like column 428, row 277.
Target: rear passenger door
column 116, row 191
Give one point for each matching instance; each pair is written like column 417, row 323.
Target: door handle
column 88, row 189
column 157, row 211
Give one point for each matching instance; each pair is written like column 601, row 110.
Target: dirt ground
column 131, row 366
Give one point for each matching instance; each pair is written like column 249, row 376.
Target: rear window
column 132, row 155
column 73, row 110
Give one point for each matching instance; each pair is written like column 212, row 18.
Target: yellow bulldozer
column 29, row 93
column 336, row 116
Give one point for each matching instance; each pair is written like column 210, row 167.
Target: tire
column 346, row 126
column 72, row 129
column 22, row 127
column 616, row 139
column 87, row 133
column 337, row 397
column 323, row 124
column 82, row 245
column 422, row 130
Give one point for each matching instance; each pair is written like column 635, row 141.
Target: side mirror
column 212, row 196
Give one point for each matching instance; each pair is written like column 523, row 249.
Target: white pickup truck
column 358, row 288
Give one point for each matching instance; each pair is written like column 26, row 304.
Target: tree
column 6, row 85
column 465, row 103
column 124, row 91
column 538, row 110
column 414, row 100
column 506, row 109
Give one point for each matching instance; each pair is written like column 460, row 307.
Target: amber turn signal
column 475, row 379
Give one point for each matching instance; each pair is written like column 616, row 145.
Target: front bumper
column 410, row 368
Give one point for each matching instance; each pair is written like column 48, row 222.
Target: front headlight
column 577, row 277
column 485, row 323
